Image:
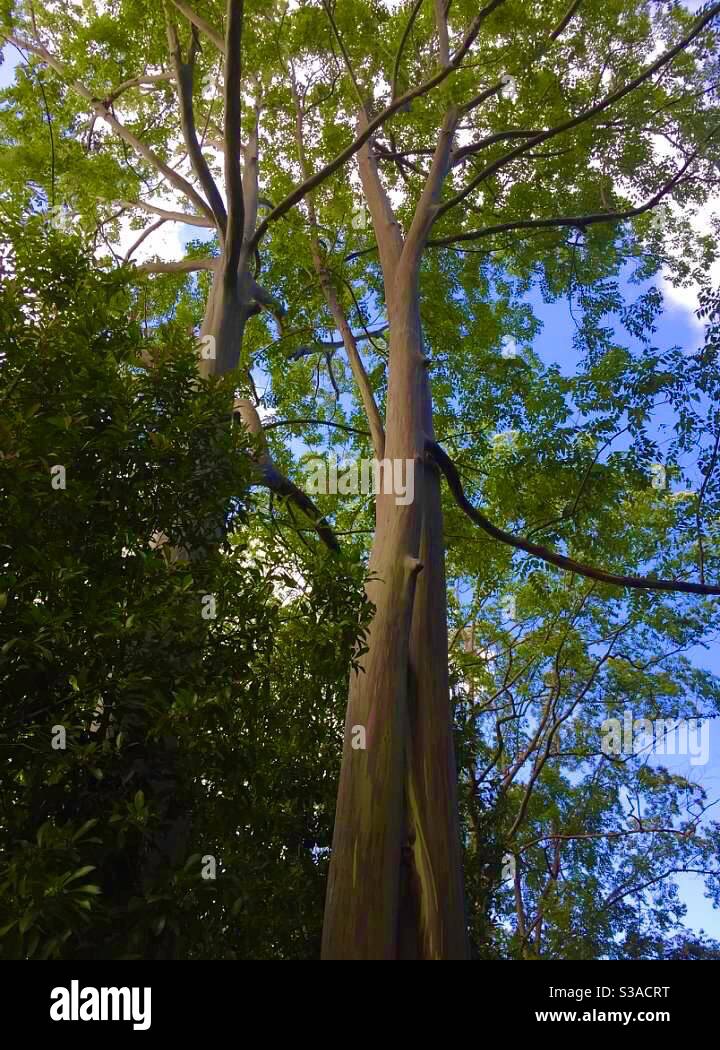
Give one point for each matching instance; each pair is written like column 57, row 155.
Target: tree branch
column 427, row 205
column 387, row 229
column 145, row 233
column 184, row 76
column 232, row 137
column 422, row 89
column 204, row 26
column 565, row 20
column 170, row 216
column 180, row 266
column 273, row 479
column 448, row 468
column 314, row 422
column 403, row 40
column 577, row 221
column 442, row 30
column 102, row 111
column 343, row 52
column 139, row 81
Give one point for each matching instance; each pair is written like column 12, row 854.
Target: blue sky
column 677, row 326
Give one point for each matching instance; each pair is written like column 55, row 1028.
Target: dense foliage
column 139, row 736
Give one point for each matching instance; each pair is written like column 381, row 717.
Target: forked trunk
column 395, row 882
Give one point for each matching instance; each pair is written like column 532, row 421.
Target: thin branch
column 576, row 221
column 315, row 422
column 180, row 266
column 349, row 341
column 499, row 136
column 145, row 233
column 403, row 40
column 143, row 80
column 170, row 216
column 324, row 345
column 343, row 51
column 448, row 468
column 427, row 205
column 565, row 20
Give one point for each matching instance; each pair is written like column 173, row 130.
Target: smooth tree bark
column 395, row 888
column 395, row 883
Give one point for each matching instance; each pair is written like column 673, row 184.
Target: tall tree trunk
column 395, row 882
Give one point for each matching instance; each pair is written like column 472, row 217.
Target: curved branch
column 273, row 479
column 170, row 216
column 143, row 80
column 577, row 221
column 314, row 422
column 145, row 233
column 449, row 469
column 184, row 76
column 180, row 266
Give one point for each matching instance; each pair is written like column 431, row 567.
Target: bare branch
column 323, row 346
column 314, row 422
column 427, row 205
column 143, row 80
column 170, row 216
column 231, row 134
column 197, row 20
column 448, row 468
column 180, row 266
column 499, row 136
column 184, row 75
column 251, row 199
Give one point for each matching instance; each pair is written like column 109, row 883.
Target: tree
column 482, row 136
column 168, row 721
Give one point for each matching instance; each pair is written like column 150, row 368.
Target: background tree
column 161, row 714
